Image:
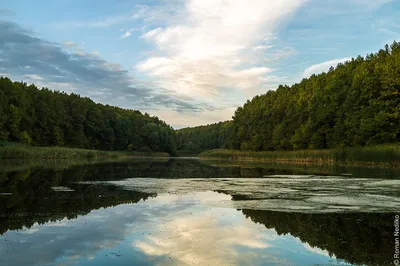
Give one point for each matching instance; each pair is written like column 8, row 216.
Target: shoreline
column 30, row 152
column 304, row 162
column 374, row 157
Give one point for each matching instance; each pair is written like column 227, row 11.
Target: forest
column 355, row 104
column 41, row 117
column 201, row 138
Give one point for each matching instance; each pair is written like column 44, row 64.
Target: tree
column 51, row 118
column 354, row 104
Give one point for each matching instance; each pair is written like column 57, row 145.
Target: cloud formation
column 206, row 56
column 66, row 67
column 323, row 67
column 128, row 32
column 208, row 46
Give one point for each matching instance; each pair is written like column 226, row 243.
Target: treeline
column 354, row 104
column 357, row 103
column 43, row 117
column 201, row 138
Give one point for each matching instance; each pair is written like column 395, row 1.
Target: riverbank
column 20, row 151
column 377, row 156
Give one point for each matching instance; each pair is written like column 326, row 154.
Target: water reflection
column 359, row 238
column 318, row 194
column 114, row 214
column 167, row 230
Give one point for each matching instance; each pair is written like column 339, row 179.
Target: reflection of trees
column 258, row 169
column 33, row 200
column 359, row 238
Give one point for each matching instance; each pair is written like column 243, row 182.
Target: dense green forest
column 201, row 138
column 43, row 117
column 354, row 104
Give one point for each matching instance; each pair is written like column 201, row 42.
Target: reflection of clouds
column 205, row 197
column 30, row 231
column 70, row 240
column 201, row 240
column 293, row 193
column 170, row 229
column 206, row 237
column 82, row 238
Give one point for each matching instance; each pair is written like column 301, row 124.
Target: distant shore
column 375, row 156
column 31, row 152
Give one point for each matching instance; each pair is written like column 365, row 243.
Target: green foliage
column 25, row 138
column 144, row 149
column 354, row 104
column 201, row 138
column 41, row 117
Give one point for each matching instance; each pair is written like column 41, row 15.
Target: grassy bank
column 16, row 165
column 18, row 151
column 382, row 155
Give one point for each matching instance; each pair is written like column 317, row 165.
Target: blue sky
column 190, row 62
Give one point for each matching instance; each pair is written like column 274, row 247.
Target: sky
column 189, row 62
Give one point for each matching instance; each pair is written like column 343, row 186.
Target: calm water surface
column 191, row 212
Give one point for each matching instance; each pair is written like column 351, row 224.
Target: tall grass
column 19, row 151
column 387, row 155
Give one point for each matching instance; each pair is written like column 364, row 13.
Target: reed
column 386, row 155
column 19, row 151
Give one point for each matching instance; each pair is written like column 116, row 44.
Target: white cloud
column 126, row 35
column 154, row 63
column 52, row 66
column 262, row 47
column 34, row 76
column 70, row 44
column 74, row 48
column 212, row 47
column 151, row 33
column 185, row 119
column 323, row 67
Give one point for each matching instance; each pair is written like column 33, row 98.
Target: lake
column 194, row 212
